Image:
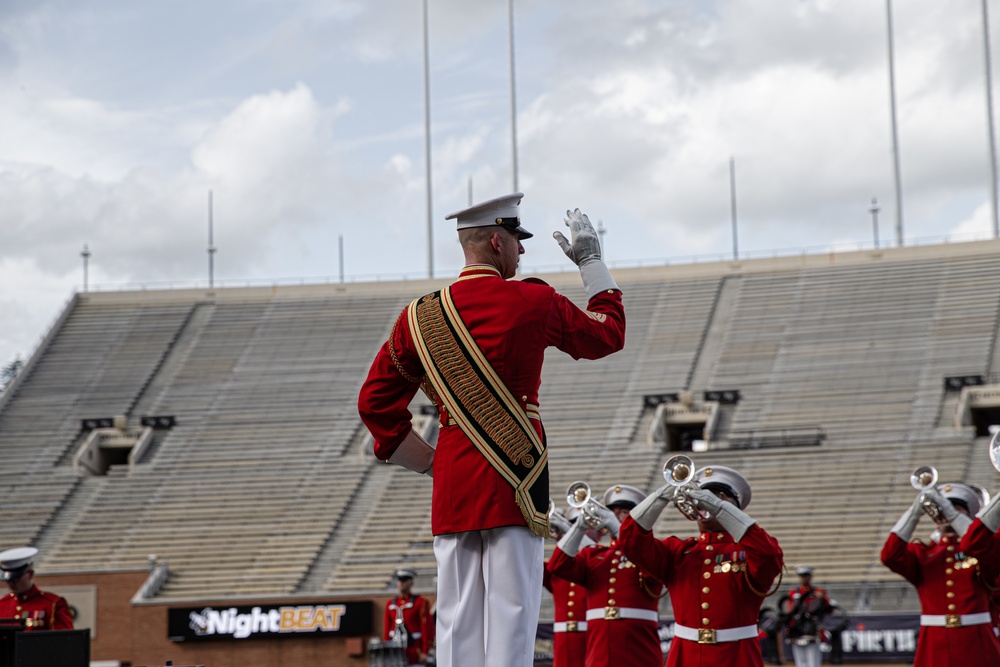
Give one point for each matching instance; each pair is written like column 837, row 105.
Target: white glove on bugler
column 908, row 522
column 606, row 519
column 571, row 542
column 990, row 515
column 558, row 525
column 585, row 251
column 733, row 519
column 959, row 522
column 648, row 511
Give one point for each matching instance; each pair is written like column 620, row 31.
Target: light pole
column 895, row 133
column 989, row 121
column 85, row 253
column 874, row 211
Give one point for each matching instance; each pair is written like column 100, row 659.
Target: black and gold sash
column 481, row 404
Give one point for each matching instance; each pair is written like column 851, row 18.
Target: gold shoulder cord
column 781, row 575
column 424, row 383
column 982, row 580
column 645, row 588
column 395, row 358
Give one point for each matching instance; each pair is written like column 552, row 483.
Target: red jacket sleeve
column 62, row 617
column 592, row 333
column 427, row 627
column 570, row 568
column 650, row 554
column 389, row 621
column 898, row 557
column 978, row 541
column 764, row 557
column 385, row 396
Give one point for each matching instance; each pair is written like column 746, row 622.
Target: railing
column 792, row 436
column 563, row 267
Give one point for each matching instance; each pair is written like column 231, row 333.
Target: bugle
column 578, row 496
column 921, row 479
column 678, row 471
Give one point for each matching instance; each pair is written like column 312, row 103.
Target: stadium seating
column 264, row 485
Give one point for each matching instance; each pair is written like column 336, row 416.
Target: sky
column 305, row 119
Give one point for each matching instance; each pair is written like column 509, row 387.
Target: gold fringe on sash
column 481, row 404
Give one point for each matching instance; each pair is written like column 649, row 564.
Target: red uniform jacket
column 41, row 610
column 714, row 582
column 569, row 639
column 612, row 581
column 417, row 619
column 984, row 545
column 512, row 321
column 947, row 582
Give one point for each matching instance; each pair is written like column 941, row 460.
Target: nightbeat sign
column 262, row 621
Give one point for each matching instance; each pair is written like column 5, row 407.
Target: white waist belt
column 710, row 636
column 563, row 626
column 615, row 613
column 954, row 620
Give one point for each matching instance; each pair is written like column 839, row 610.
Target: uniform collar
column 714, row 538
column 479, row 271
column 28, row 594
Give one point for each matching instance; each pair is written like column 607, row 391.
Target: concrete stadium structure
column 826, row 386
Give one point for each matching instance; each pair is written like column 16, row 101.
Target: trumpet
column 923, row 478
column 579, row 497
column 678, row 471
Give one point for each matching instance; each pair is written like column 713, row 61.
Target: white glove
column 586, row 246
column 908, row 522
column 558, row 524
column 648, row 511
column 959, row 522
column 732, row 518
column 606, row 519
column 585, row 251
column 570, row 542
column 990, row 515
column 415, row 454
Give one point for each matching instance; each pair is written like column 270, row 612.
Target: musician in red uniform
column 982, row 541
column 804, row 609
column 569, row 601
column 717, row 580
column 622, row 600
column 955, row 624
column 40, row 610
column 476, row 347
column 408, row 619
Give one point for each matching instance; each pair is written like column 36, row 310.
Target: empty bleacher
column 262, row 487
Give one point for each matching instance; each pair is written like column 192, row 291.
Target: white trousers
column 807, row 656
column 489, row 593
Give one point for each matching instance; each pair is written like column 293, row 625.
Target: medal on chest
column 735, row 562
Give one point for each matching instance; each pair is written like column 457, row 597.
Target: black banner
column 868, row 638
column 263, row 621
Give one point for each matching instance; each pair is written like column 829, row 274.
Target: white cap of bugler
column 503, row 211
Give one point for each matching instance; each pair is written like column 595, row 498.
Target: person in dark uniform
column 38, row 609
column 805, row 608
column 408, row 619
